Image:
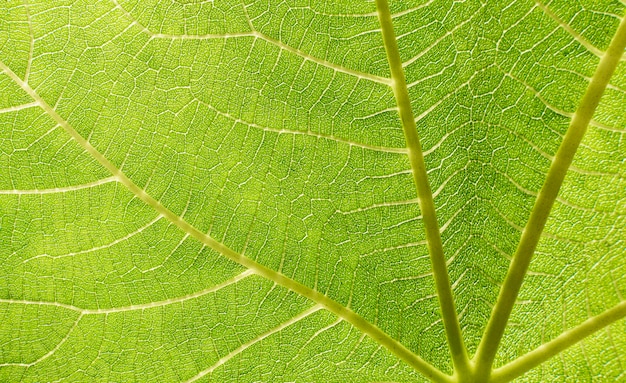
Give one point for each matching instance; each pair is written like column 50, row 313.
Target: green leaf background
column 272, row 127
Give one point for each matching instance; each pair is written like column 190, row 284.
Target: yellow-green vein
column 424, row 193
column 558, row 344
column 543, row 204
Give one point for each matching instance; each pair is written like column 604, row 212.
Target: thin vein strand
column 137, row 307
column 252, row 342
column 567, row 28
column 18, row 107
column 426, row 203
column 64, row 189
column 257, row 35
column 543, row 204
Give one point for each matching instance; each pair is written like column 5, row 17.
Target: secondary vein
column 424, row 193
column 543, row 204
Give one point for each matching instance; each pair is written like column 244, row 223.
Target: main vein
column 341, row 311
column 543, row 204
column 426, row 203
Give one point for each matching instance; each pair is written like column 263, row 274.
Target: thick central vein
column 341, row 311
column 424, row 193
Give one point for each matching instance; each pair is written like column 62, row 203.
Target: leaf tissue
column 312, row 191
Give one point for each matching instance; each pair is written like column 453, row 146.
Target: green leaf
column 332, row 191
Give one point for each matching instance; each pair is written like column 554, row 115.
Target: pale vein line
column 101, row 247
column 453, row 92
column 567, row 28
column 616, row 88
column 305, row 133
column 396, row 247
column 348, row 315
column 379, row 205
column 556, row 110
column 64, row 189
column 595, row 173
column 536, row 93
column 194, row 37
column 445, row 226
column 162, row 263
column 143, row 306
column 259, row 35
column 409, row 278
column 602, row 126
column 320, row 331
column 49, row 353
column 442, row 140
column 322, row 62
column 83, row 312
column 377, row 113
column 594, row 210
column 259, row 338
column 41, row 303
column 18, row 107
column 411, row 10
column 517, row 185
column 437, row 41
column 362, row 15
column 506, row 219
column 54, row 350
column 166, row 302
column 325, row 14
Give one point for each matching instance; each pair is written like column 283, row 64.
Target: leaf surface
column 223, row 191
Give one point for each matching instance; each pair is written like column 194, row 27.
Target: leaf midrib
column 424, row 193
